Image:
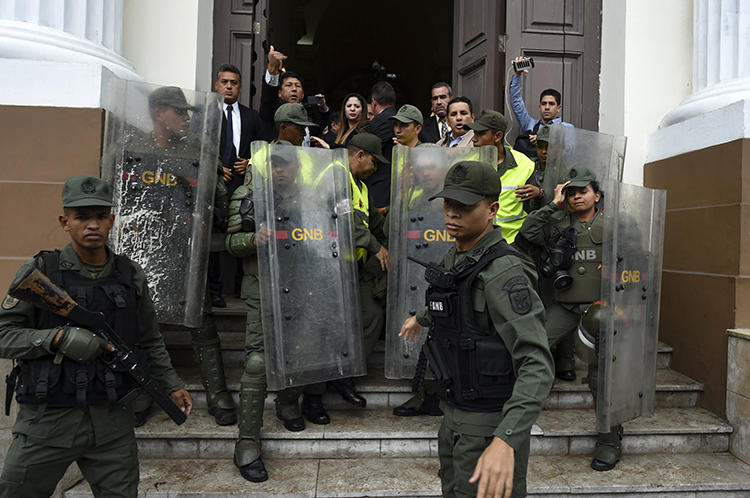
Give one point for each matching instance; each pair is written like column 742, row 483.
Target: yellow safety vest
column 510, row 214
column 304, row 175
column 361, row 202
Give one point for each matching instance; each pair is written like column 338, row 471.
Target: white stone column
column 66, row 42
column 718, row 109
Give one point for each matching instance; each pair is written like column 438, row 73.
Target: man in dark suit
column 435, row 127
column 383, row 98
column 280, row 87
column 240, row 125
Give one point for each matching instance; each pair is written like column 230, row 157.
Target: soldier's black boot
column 247, row 448
column 288, row 411
column 608, row 449
column 345, row 388
column 313, row 410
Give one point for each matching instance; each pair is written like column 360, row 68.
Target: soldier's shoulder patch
column 9, row 302
column 519, row 294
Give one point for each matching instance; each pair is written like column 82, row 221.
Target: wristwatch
column 541, row 193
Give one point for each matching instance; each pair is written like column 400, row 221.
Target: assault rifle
column 37, row 289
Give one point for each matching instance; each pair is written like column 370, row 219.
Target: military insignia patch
column 9, row 302
column 87, row 187
column 573, row 173
column 459, row 174
column 519, row 295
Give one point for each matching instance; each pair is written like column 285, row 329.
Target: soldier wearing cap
column 365, row 154
column 170, row 113
column 65, row 414
column 516, row 173
column 242, row 239
column 483, row 442
column 407, row 124
column 574, row 214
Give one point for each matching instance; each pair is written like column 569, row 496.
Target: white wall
column 169, row 41
column 646, row 70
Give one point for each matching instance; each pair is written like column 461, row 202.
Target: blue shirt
column 525, row 121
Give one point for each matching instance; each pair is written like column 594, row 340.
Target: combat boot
column 247, row 449
column 218, row 398
column 312, row 408
column 608, row 449
column 288, row 411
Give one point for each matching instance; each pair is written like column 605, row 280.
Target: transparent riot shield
column 603, row 154
column 160, row 150
column 631, row 283
column 308, row 272
column 416, row 230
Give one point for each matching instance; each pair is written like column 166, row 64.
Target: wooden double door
column 563, row 37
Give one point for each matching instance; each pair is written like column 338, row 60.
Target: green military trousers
column 462, row 438
column 561, row 323
column 33, row 470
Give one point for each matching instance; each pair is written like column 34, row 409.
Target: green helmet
column 588, row 327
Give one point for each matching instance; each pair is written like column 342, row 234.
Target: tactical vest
column 473, row 367
column 68, row 383
column 586, row 269
column 510, row 214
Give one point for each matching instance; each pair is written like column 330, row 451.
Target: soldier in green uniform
column 365, row 153
column 242, row 240
column 565, row 349
column 69, row 408
column 487, row 345
column 570, row 230
column 169, row 111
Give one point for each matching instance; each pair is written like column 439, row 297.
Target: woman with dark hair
column 353, row 117
column 570, row 232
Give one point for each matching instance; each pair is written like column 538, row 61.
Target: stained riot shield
column 307, row 265
column 631, row 282
column 160, row 157
column 416, row 230
column 603, row 154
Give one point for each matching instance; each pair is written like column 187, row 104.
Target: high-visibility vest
column 510, row 214
column 360, row 202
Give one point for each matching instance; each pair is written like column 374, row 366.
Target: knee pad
column 255, row 365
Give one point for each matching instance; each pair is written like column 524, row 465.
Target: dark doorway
column 333, row 44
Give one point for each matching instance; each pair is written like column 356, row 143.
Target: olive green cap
column 80, row 191
column 468, row 182
column 294, row 113
column 171, row 96
column 580, row 176
column 489, row 120
column 370, row 144
column 408, row 114
column 543, row 134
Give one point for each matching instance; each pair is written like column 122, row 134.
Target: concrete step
column 649, row 476
column 233, row 344
column 378, row 433
column 673, row 389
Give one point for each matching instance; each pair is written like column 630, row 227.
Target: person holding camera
column 570, row 230
column 279, row 87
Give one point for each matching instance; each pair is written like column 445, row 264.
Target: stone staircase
column 682, row 451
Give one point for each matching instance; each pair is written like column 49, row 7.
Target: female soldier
column 570, row 230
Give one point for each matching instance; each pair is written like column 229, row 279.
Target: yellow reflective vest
column 510, row 214
column 361, row 202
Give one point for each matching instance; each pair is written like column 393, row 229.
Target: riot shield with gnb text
column 160, row 156
column 308, row 273
column 416, row 230
column 631, row 282
column 603, row 154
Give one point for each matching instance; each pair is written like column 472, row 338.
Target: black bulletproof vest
column 68, row 383
column 473, row 367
